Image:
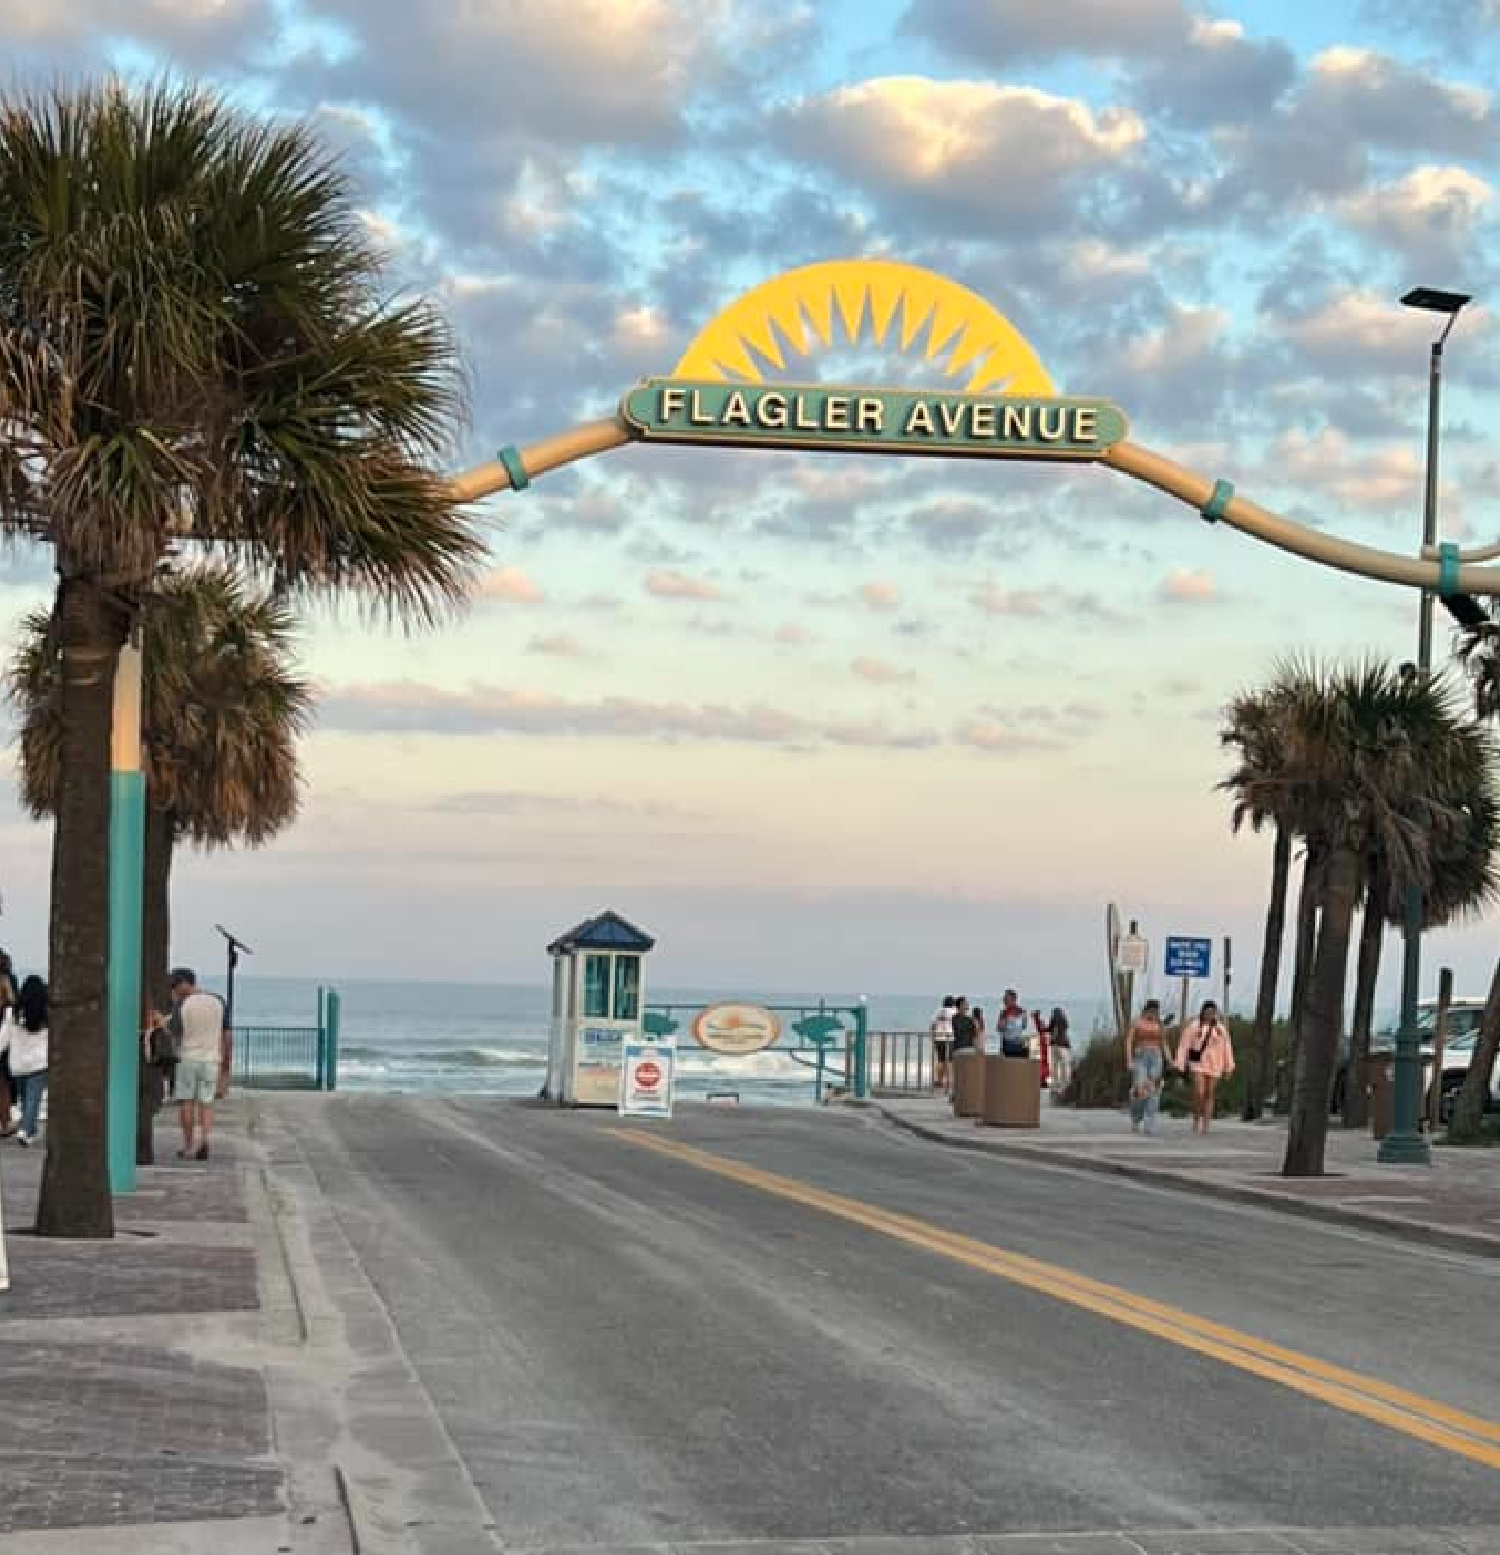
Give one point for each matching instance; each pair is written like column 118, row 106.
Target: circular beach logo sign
column 736, row 1028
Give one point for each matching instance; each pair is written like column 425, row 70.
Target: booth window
column 627, row 987
column 596, row 987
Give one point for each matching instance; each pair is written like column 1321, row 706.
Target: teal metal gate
column 290, row 1058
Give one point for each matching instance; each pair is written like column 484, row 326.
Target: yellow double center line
column 1470, row 1436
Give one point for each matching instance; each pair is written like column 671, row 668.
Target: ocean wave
column 447, row 1057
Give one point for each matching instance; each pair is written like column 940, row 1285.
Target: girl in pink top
column 1207, row 1055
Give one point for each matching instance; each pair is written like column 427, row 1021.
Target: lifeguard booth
column 598, row 1000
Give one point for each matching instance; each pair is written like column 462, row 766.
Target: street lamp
column 1405, row 1144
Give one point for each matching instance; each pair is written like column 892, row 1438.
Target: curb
column 1476, row 1243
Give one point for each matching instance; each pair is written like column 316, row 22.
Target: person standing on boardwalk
column 942, row 1042
column 965, row 1028
column 205, row 1047
column 23, row 1039
column 1059, row 1049
column 1011, row 1024
column 1146, row 1059
column 8, row 1087
column 1207, row 1054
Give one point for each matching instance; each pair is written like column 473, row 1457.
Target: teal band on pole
column 1447, row 569
column 1214, row 509
column 510, row 457
column 127, row 822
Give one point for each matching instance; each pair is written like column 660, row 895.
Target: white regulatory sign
column 1132, row 954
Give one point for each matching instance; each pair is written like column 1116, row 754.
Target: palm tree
column 1380, row 760
column 193, row 346
column 1262, row 797
column 222, row 714
column 1479, row 652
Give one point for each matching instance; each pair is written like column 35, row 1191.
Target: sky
column 825, row 721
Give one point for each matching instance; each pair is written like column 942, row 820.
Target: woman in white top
column 23, row 1037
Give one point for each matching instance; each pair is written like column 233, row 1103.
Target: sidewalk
column 1453, row 1203
column 219, row 1379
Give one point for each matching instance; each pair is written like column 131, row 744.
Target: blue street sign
column 1187, row 957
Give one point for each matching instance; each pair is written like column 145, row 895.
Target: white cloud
column 670, row 584
column 510, row 585
column 1427, row 203
column 561, row 645
column 972, row 148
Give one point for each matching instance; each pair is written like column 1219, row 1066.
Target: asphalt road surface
column 762, row 1325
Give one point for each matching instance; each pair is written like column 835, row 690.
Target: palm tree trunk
column 75, row 1197
column 1322, row 1017
column 1307, row 929
column 1366, row 974
column 155, row 950
column 1261, row 1070
column 1469, row 1105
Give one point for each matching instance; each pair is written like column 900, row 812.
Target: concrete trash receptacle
column 1382, row 1095
column 1013, row 1092
column 968, row 1083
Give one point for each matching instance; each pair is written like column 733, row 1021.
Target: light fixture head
column 1431, row 299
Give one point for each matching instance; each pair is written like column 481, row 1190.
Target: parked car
column 1464, row 1018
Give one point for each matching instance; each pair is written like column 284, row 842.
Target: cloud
column 1185, row 586
column 562, row 645
column 878, row 671
column 408, row 707
column 1356, row 333
column 792, row 635
column 669, row 584
column 1215, row 75
column 1004, row 31
column 963, row 149
column 509, row 585
column 193, row 31
column 1028, row 604
column 1383, row 479
column 1429, row 213
column 880, row 594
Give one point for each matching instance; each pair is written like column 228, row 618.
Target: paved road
column 634, row 1347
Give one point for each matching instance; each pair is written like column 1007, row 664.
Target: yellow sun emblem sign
column 1002, row 402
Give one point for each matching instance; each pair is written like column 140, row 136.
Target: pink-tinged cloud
column 408, row 707
column 880, row 594
column 562, row 645
column 996, row 601
column 1184, row 586
column 670, row 584
column 510, row 586
column 793, row 635
column 878, row 671
column 1005, row 737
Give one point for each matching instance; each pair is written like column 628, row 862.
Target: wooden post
column 1183, row 1018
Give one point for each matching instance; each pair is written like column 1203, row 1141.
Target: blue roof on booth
column 607, row 931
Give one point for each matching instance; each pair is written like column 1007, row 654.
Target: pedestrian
column 23, row 1039
column 942, row 1041
column 8, row 1088
column 1059, row 1049
column 1207, row 1054
column 1146, row 1060
column 965, row 1028
column 979, row 1034
column 1011, row 1023
column 205, row 1048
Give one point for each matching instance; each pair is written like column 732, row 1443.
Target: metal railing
column 900, row 1063
column 290, row 1058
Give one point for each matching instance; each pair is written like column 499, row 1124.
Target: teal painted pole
column 334, row 1003
column 861, row 1052
column 127, row 823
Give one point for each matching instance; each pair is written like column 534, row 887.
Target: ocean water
column 491, row 1038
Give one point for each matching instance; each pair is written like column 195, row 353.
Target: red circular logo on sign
column 648, row 1075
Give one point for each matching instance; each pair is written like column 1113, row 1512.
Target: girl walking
column 1208, row 1056
column 1146, row 1059
column 23, row 1038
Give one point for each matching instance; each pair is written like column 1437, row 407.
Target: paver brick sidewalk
column 113, row 1415
column 1455, row 1202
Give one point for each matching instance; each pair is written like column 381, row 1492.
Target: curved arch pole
column 580, row 442
column 1252, row 519
column 597, row 437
